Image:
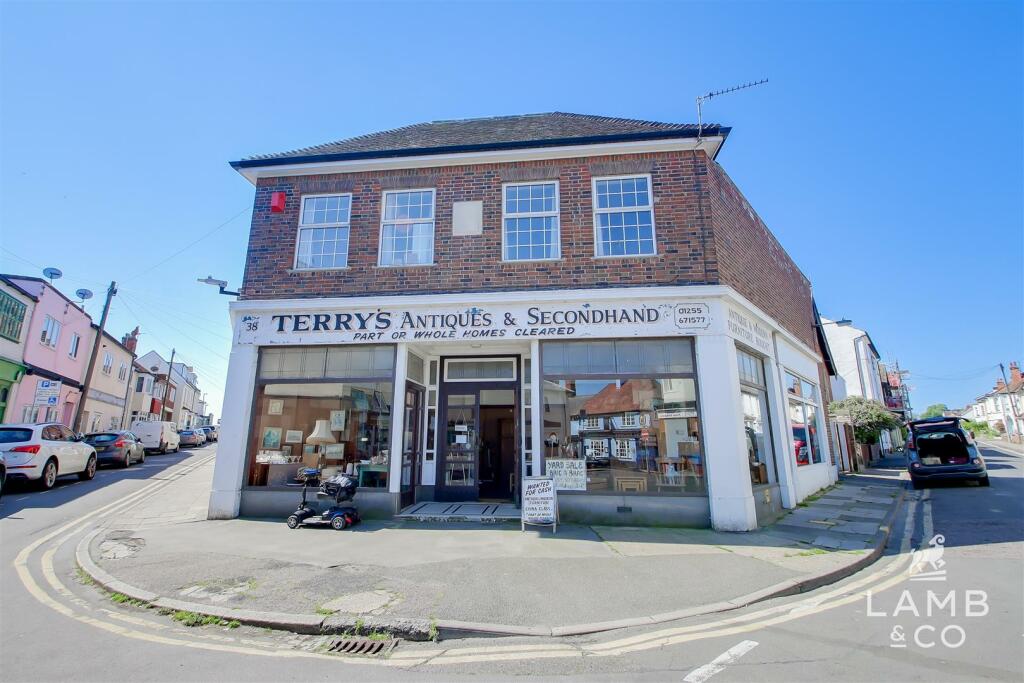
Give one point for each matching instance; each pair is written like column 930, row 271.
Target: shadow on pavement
column 21, row 495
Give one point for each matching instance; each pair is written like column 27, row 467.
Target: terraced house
column 453, row 306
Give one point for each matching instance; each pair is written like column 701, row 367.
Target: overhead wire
column 189, row 245
column 201, row 370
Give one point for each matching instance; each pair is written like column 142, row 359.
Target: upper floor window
column 73, row 346
column 51, row 332
column 530, row 219
column 624, row 216
column 12, row 316
column 140, row 383
column 407, row 228
column 108, row 363
column 323, row 231
column 122, row 373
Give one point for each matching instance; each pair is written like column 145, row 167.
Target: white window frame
column 470, row 359
column 122, row 373
column 819, row 416
column 596, row 448
column 406, row 221
column 301, row 227
column 589, row 423
column 630, row 420
column 624, row 446
column 108, row 363
column 51, row 332
column 73, row 346
column 622, row 209
column 557, row 214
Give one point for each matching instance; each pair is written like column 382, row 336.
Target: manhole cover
column 366, row 647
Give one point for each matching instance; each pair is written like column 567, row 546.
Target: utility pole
column 167, row 385
column 111, row 291
column 1013, row 404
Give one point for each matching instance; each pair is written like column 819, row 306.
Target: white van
column 161, row 437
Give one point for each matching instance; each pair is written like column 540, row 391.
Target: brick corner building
column 464, row 304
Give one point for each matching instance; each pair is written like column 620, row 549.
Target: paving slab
column 470, row 574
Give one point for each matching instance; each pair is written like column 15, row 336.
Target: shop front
column 672, row 398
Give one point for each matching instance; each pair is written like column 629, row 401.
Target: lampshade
column 321, row 434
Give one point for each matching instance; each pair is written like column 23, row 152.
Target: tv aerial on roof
column 83, row 295
column 701, row 99
column 52, row 274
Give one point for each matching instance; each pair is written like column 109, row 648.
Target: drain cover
column 367, row 647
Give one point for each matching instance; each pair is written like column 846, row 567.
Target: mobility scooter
column 340, row 487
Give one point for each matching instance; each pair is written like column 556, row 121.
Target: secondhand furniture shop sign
column 470, row 322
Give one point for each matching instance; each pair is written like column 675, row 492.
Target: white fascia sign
column 750, row 331
column 469, row 322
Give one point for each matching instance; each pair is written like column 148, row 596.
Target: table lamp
column 321, row 436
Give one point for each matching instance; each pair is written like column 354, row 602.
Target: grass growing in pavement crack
column 323, row 611
column 195, row 619
column 811, row 552
column 432, row 633
column 122, row 599
column 83, row 577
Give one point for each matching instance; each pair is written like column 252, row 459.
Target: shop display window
column 639, row 433
column 756, row 429
column 803, row 419
column 319, row 411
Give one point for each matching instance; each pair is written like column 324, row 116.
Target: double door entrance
column 479, row 411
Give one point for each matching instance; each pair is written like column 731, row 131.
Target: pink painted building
column 57, row 347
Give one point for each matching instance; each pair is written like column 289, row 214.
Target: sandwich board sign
column 540, row 503
column 569, row 474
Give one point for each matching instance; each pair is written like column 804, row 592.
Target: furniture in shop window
column 372, row 476
column 631, row 484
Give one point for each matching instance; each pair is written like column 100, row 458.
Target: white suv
column 42, row 452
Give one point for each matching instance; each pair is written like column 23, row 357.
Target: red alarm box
column 277, row 202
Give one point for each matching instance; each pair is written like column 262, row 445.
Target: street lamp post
column 220, row 284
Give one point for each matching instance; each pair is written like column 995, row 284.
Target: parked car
column 800, row 448
column 121, row 448
column 939, row 449
column 161, row 437
column 3, row 472
column 191, row 437
column 211, row 432
column 42, row 452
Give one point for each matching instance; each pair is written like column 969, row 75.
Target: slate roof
column 494, row 133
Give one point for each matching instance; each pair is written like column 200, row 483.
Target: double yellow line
column 890, row 575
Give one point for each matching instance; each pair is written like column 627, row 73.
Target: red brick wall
column 705, row 230
column 753, row 262
column 473, row 263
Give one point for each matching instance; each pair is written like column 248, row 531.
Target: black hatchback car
column 939, row 449
column 119, row 448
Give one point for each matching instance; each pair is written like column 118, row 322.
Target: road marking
column 718, row 664
column 927, row 525
column 847, row 594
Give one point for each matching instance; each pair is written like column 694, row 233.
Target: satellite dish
column 155, row 368
column 83, row 294
column 52, row 273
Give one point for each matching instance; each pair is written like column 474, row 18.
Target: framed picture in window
column 338, row 418
column 275, row 406
column 293, row 436
column 360, row 400
column 272, row 438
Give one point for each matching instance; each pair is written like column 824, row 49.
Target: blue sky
column 885, row 152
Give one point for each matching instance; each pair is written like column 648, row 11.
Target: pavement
column 418, row 578
column 859, row 628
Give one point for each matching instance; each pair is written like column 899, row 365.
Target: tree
column 934, row 410
column 869, row 417
column 980, row 427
